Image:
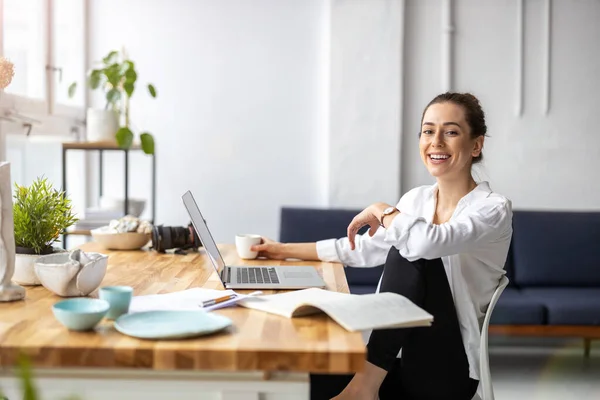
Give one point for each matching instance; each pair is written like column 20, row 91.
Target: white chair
column 485, row 390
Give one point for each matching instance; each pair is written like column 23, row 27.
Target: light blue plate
column 170, row 324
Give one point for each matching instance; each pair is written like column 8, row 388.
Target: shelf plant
column 117, row 77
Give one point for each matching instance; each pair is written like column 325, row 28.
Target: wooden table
column 261, row 354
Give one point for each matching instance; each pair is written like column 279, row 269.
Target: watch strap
column 387, row 211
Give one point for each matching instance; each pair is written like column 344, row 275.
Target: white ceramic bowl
column 71, row 274
column 121, row 241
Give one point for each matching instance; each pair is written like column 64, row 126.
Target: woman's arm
column 368, row 252
column 280, row 251
column 473, row 229
column 303, row 251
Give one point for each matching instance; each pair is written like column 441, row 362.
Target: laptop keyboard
column 257, row 275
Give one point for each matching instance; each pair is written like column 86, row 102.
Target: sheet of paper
column 190, row 299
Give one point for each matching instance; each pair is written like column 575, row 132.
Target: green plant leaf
column 94, row 79
column 28, row 387
column 152, row 90
column 113, row 95
column 130, row 76
column 126, row 66
column 128, row 87
column 147, row 143
column 124, row 137
column 72, row 88
column 113, row 74
column 111, row 57
column 40, row 215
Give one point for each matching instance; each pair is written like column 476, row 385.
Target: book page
column 353, row 312
column 285, row 304
column 375, row 311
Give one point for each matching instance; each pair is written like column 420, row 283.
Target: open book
column 353, row 312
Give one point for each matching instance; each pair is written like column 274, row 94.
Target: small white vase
column 24, row 270
column 101, row 125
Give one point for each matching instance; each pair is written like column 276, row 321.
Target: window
column 46, row 40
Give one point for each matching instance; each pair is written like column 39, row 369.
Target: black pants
column 433, row 364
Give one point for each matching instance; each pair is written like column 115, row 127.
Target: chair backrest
column 485, row 376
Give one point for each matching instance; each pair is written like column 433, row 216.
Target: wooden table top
column 256, row 341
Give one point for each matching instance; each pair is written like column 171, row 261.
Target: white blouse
column 473, row 246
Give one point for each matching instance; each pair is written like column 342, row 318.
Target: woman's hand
column 369, row 216
column 270, row 249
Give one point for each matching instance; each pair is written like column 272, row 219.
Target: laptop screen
column 202, row 230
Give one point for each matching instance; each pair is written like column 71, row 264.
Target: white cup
column 243, row 244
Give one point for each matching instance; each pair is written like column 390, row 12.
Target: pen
column 218, row 300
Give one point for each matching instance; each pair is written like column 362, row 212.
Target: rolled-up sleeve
column 370, row 251
column 416, row 238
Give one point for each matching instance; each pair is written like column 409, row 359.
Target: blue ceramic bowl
column 80, row 314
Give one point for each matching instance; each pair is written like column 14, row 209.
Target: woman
column 444, row 247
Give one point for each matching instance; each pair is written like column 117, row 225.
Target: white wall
column 239, row 116
column 317, row 103
column 539, row 160
column 366, row 99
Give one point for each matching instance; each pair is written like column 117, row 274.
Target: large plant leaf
column 113, row 74
column 130, row 75
column 124, row 137
column 129, row 88
column 147, row 143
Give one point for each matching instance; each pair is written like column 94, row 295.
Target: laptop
column 249, row 277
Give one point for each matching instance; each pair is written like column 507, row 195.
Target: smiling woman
column 443, row 246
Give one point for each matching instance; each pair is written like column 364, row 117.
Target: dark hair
column 473, row 113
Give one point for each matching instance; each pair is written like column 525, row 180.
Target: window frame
column 23, row 114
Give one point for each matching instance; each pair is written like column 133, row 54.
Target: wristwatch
column 387, row 211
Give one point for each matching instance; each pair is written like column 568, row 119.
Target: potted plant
column 41, row 214
column 117, row 77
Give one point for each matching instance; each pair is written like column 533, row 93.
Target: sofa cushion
column 312, row 224
column 514, row 308
column 568, row 306
column 554, row 248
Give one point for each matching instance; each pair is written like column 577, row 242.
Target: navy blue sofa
column 553, row 266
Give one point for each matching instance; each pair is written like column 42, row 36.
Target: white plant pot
column 101, row 125
column 24, row 270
